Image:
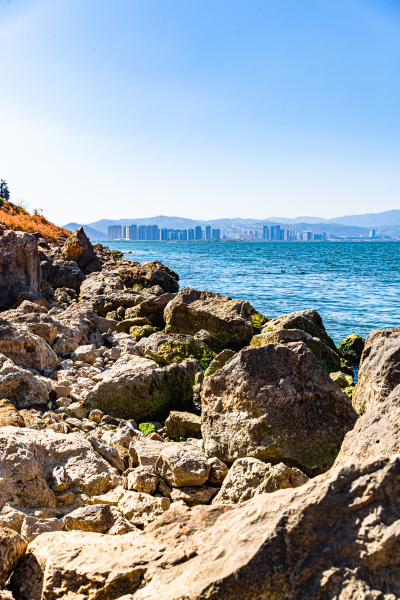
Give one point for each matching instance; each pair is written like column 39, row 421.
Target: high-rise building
column 142, row 232
column 132, row 232
column 198, row 233
column 190, row 234
column 307, row 236
column 216, row 234
column 275, row 232
column 208, row 232
column 372, row 234
column 115, row 232
column 265, row 232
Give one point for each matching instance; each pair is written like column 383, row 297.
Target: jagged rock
column 334, row 537
column 193, row 496
column 24, row 348
column 219, row 361
column 307, row 320
column 183, row 425
column 379, row 370
column 21, row 387
column 278, row 404
column 143, row 479
column 12, row 550
column 226, row 319
column 9, row 415
column 122, row 436
column 168, row 348
column 327, row 357
column 85, row 353
column 280, row 477
column 97, row 518
column 39, row 324
column 242, row 480
column 110, row 301
column 78, row 248
column 11, row 518
column 125, row 325
column 27, row 461
column 343, row 380
column 141, row 509
column 108, row 452
column 211, row 341
column 121, row 527
column 148, row 275
column 377, row 433
column 65, row 274
column 143, row 391
column 145, row 453
column 19, row 265
column 32, row 527
column 76, row 410
column 351, row 348
column 151, row 308
column 98, row 284
column 218, row 471
column 183, row 464
column 77, row 326
column 107, row 325
column 112, row 497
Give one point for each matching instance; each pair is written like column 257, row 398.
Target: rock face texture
column 24, row 348
column 77, row 326
column 227, row 320
column 21, row 387
column 19, row 265
column 183, row 465
column 168, row 348
column 148, row 275
column 12, row 549
column 327, row 357
column 307, row 320
column 65, row 274
column 97, row 284
column 145, row 392
column 377, row 433
column 183, row 425
column 334, row 537
column 278, row 404
column 28, row 459
column 79, row 249
column 379, row 370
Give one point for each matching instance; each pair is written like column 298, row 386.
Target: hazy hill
column 93, row 234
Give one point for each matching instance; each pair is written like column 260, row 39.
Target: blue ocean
column 354, row 286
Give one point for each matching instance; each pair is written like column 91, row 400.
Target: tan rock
column 9, row 415
column 77, row 326
column 11, row 518
column 25, row 349
column 122, row 436
column 218, row 471
column 21, row 387
column 219, row 361
column 148, row 275
column 12, row 550
column 242, row 480
column 79, row 249
column 379, row 370
column 122, row 526
column 86, row 353
column 183, row 425
column 280, row 477
column 32, row 527
column 141, row 509
column 334, row 537
column 307, row 320
column 193, row 496
column 112, row 497
column 97, row 518
column 143, row 479
column 183, row 465
column 39, row 324
column 108, row 452
column 278, row 404
column 145, row 453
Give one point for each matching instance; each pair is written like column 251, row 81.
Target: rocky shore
column 167, row 444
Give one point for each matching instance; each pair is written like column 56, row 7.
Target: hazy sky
column 200, row 108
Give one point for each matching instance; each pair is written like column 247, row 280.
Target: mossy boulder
column 219, row 361
column 351, row 348
column 278, row 404
column 307, row 320
column 258, row 321
column 145, row 392
column 342, row 379
column 168, row 348
column 227, row 320
column 141, row 331
column 148, row 275
column 327, row 357
column 151, row 308
column 183, row 425
column 125, row 325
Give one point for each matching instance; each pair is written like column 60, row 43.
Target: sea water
column 354, row 286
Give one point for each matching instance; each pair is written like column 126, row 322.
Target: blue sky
column 200, row 108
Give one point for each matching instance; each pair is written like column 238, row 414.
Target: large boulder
column 142, row 391
column 29, row 461
column 24, row 348
column 65, row 274
column 168, row 348
column 152, row 308
column 12, row 550
column 97, row 284
column 39, row 324
column 78, row 325
column 109, row 302
column 278, row 404
column 183, row 464
column 327, row 357
column 377, row 433
column 149, row 274
column 21, row 387
column 227, row 320
column 307, row 320
column 78, row 248
column 334, row 537
column 379, row 370
column 19, row 265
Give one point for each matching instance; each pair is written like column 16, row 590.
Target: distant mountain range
column 385, row 223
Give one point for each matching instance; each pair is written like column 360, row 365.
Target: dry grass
column 19, row 219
